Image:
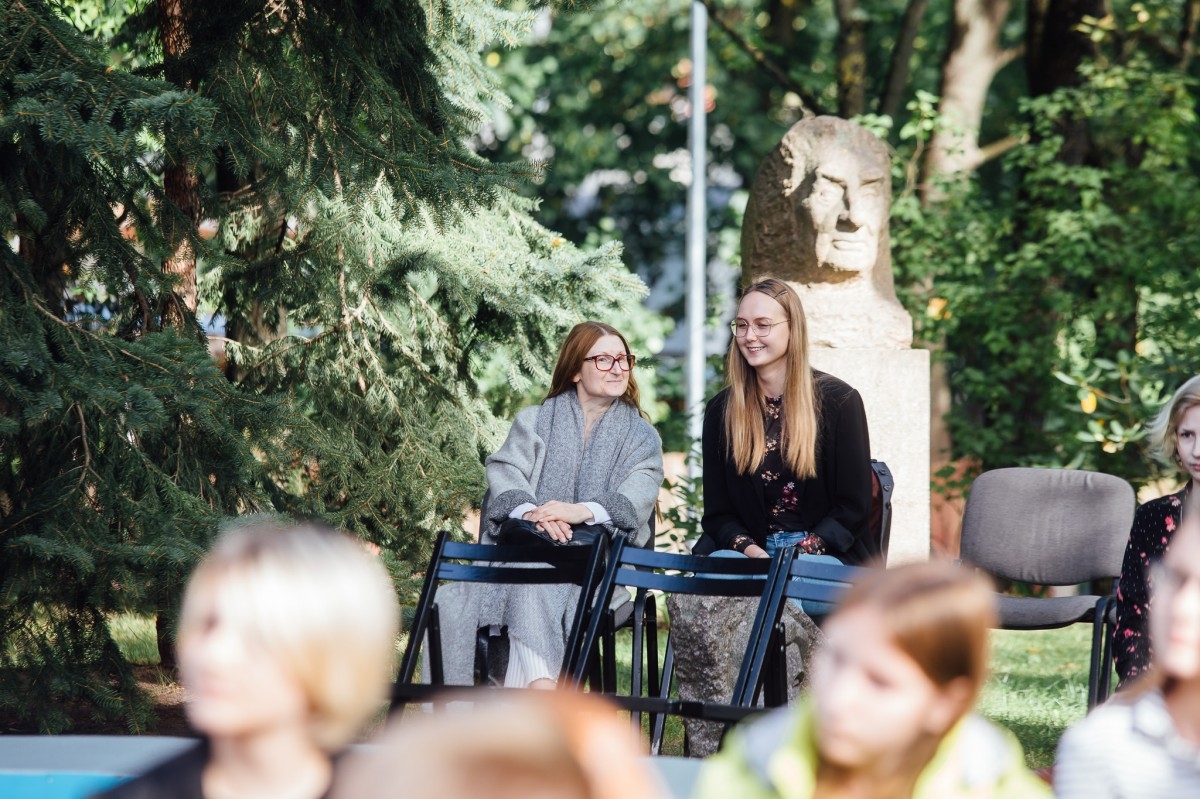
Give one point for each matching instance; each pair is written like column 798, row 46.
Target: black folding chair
column 798, row 578
column 508, row 565
column 646, row 571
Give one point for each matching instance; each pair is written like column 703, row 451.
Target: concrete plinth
column 894, row 385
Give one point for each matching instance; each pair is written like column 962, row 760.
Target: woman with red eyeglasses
column 584, row 461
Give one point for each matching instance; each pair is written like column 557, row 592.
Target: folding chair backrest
column 818, row 581
column 511, row 565
column 802, row 579
column 879, row 524
column 648, row 570
column 1047, row 526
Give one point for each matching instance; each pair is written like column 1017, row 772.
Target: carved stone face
column 847, row 209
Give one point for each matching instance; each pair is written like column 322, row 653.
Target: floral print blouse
column 778, row 482
column 1153, row 525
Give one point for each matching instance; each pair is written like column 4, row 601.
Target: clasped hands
column 557, row 517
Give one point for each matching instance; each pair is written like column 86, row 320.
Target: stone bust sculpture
column 818, row 217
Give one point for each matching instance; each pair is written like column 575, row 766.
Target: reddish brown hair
column 570, row 360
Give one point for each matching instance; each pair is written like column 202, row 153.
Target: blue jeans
column 778, row 541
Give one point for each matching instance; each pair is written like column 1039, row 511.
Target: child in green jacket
column 888, row 713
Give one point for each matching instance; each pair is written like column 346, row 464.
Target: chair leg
column 775, row 671
column 437, row 675
column 595, row 665
column 652, row 679
column 658, row 723
column 636, row 687
column 609, row 679
column 1097, row 658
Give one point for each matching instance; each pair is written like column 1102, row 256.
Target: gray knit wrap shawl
column 559, row 465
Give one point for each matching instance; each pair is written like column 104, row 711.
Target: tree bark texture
column 1055, row 49
column 1187, row 33
column 851, row 59
column 897, row 79
column 972, row 61
column 180, row 183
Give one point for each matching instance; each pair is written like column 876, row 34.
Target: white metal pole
column 697, row 228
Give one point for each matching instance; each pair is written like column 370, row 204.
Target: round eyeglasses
column 605, row 363
column 761, row 329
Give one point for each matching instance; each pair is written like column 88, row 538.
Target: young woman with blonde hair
column 1175, row 440
column 887, row 714
column 1145, row 741
column 787, row 456
column 286, row 645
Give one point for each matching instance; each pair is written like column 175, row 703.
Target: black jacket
column 177, row 778
column 835, row 504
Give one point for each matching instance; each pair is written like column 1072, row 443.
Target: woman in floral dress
column 1175, row 438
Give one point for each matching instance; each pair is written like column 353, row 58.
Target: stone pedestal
column 710, row 635
column 894, row 385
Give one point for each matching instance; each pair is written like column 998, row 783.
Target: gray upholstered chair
column 1054, row 527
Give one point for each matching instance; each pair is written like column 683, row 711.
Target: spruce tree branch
column 809, row 105
column 34, row 22
column 83, row 439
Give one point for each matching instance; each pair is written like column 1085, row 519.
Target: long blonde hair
column 744, row 430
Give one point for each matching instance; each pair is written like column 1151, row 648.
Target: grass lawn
column 1038, row 686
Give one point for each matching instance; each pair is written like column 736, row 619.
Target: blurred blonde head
column 551, row 745
column 313, row 601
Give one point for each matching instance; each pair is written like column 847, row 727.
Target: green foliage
column 367, row 263
column 1065, row 303
column 1038, row 686
column 681, row 515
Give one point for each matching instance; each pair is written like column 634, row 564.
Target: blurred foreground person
column 1145, row 741
column 887, row 714
column 546, row 745
column 286, row 643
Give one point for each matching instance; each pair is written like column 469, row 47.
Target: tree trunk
column 1055, row 50
column 897, row 79
column 972, row 60
column 180, row 184
column 1187, row 33
column 851, row 59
